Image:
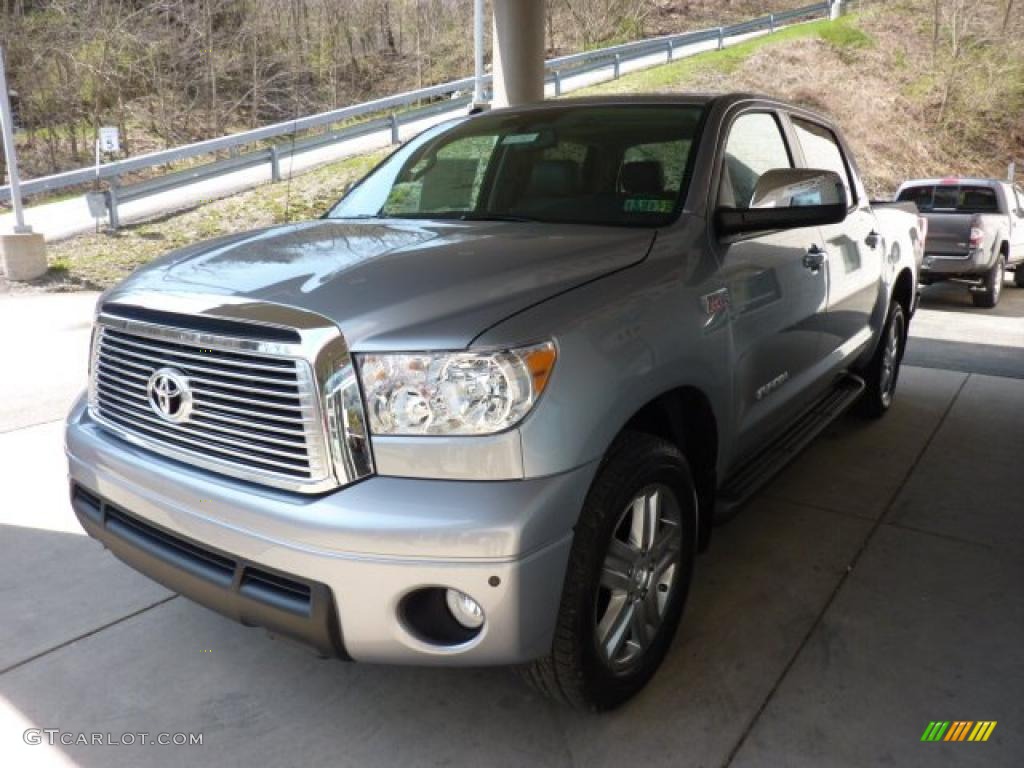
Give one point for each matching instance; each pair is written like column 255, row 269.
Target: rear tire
column 993, row 286
column 627, row 579
column 883, row 371
column 1018, row 275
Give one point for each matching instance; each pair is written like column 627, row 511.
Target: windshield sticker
column 647, row 205
column 520, row 138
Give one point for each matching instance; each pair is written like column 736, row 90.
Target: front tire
column 627, row 579
column 883, row 371
column 993, row 286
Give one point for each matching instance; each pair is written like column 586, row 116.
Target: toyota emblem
column 169, row 395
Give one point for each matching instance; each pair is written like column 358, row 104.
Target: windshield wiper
column 493, row 217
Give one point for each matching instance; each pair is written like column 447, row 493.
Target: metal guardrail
column 396, row 110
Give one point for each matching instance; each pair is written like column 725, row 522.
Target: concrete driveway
column 874, row 587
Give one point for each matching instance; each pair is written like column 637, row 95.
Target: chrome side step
column 755, row 473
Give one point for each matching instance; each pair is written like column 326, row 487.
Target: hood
column 399, row 284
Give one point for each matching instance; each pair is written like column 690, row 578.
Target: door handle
column 873, row 239
column 814, row 259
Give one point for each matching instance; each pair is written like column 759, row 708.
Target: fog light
column 464, row 608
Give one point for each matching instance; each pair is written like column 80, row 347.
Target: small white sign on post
column 109, row 139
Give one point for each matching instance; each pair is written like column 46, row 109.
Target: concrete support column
column 22, row 256
column 518, row 52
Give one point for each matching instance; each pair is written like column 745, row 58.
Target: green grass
column 843, row 33
column 99, row 260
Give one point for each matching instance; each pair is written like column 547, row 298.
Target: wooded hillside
column 172, row 71
column 911, row 102
column 169, row 72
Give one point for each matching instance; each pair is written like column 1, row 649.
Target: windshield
column 619, row 165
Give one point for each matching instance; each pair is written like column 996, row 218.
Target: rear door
column 855, row 248
column 776, row 295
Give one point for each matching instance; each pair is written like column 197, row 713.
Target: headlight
column 350, row 444
column 453, row 393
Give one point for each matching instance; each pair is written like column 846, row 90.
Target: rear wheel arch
column 903, row 291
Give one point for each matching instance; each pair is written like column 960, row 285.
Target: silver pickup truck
column 486, row 410
column 975, row 233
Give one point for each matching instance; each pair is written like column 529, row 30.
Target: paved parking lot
column 873, row 587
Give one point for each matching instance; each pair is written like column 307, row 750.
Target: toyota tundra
column 486, row 410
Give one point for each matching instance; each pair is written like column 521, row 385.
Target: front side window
column 822, row 152
column 619, row 165
column 755, row 146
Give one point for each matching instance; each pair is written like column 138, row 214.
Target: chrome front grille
column 253, row 414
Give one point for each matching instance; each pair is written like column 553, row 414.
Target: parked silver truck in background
column 975, row 233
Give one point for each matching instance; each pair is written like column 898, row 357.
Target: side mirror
column 788, row 198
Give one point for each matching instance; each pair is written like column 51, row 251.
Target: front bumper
column 351, row 556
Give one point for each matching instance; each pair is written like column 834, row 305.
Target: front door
column 777, row 291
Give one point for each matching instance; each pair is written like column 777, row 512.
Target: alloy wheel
column 638, row 577
column 891, row 360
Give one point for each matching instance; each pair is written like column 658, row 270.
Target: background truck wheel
column 628, row 576
column 883, row 371
column 1018, row 276
column 993, row 286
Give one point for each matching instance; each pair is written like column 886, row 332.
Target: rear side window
column 951, row 197
column 755, row 146
column 822, row 152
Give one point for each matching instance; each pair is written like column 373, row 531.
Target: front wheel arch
column 686, row 418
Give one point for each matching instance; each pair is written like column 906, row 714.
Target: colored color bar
column 958, row 730
column 951, row 733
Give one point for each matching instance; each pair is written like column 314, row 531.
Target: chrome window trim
column 321, row 353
